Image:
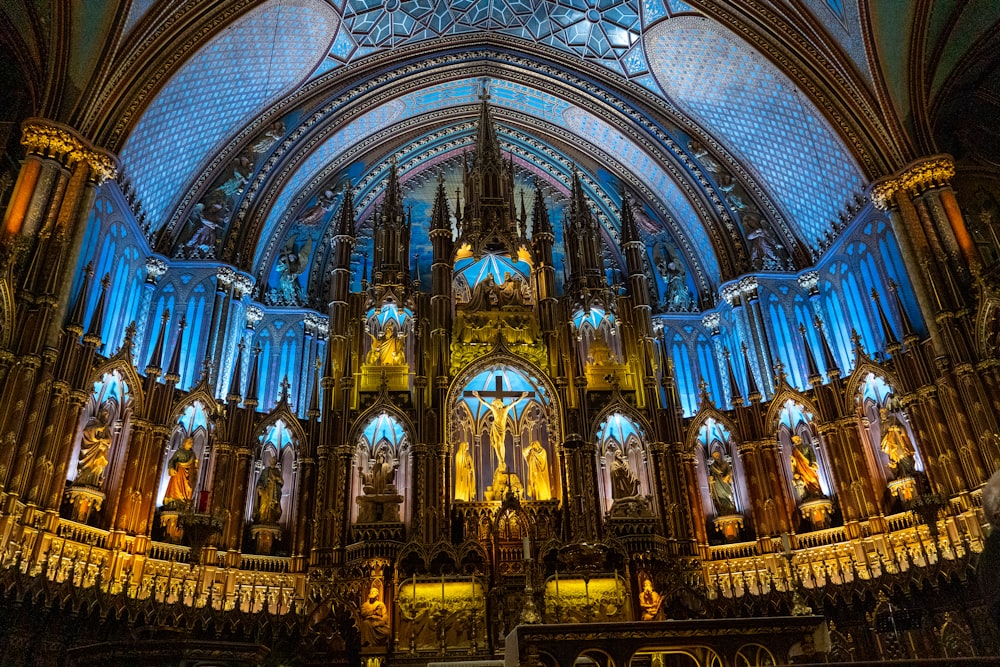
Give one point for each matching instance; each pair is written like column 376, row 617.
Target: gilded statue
column 94, row 449
column 498, row 429
column 381, row 477
column 465, row 474
column 720, row 471
column 374, row 624
column 388, row 349
column 268, row 492
column 650, row 601
column 624, row 481
column 183, row 474
column 805, row 470
column 537, row 461
column 897, row 446
column 600, row 354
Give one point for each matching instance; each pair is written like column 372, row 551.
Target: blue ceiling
column 757, row 123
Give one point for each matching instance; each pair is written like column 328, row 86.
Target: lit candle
column 557, row 585
column 442, row 588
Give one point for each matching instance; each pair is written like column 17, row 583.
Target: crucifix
column 500, row 411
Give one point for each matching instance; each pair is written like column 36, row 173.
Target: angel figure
column 208, row 219
column 313, row 215
column 291, row 264
column 269, row 137
column 700, row 153
column 676, row 295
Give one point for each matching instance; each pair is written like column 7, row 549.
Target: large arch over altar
column 503, row 429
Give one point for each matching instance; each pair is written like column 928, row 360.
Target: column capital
column 914, row 179
column 51, row 139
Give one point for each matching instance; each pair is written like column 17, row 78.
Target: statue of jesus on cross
column 500, row 412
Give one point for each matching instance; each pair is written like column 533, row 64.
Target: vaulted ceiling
column 722, row 119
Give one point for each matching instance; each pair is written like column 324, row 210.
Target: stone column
column 919, row 236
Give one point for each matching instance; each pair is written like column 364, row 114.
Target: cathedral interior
column 551, row 332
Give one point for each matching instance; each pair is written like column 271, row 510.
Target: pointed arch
column 122, row 363
column 623, row 408
column 778, row 404
column 211, row 406
column 383, row 404
column 699, row 420
column 283, row 414
column 856, row 380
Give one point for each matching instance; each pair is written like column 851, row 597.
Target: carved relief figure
column 269, row 488
column 94, row 449
column 624, row 482
column 805, row 470
column 387, row 349
column 897, row 446
column 183, row 474
column 720, row 472
column 465, row 474
column 374, row 620
column 498, row 429
column 538, row 471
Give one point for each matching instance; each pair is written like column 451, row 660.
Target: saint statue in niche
column 381, row 478
column 537, row 460
column 805, row 470
column 269, row 488
column 94, row 449
column 897, row 446
column 183, row 473
column 388, row 348
column 374, row 620
column 720, row 472
column 465, row 474
column 498, row 429
column 624, row 481
column 650, row 601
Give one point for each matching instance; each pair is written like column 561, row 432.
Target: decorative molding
column 54, row 140
column 914, row 179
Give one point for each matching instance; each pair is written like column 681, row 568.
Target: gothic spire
column 753, row 393
column 440, row 213
column 487, row 143
column 392, row 208
column 832, row 369
column 251, row 397
column 345, row 219
column 540, row 223
column 313, row 412
column 157, row 354
column 97, row 319
column 630, row 229
column 173, row 369
column 79, row 308
column 812, row 369
column 888, row 335
column 734, row 389
column 236, row 382
column 907, row 326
